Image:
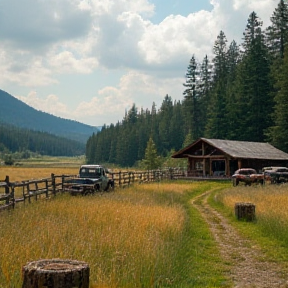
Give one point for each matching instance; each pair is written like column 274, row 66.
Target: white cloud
column 231, row 15
column 66, row 62
column 42, row 41
column 100, row 7
column 177, row 38
column 110, row 103
column 34, row 25
column 51, row 104
column 21, row 69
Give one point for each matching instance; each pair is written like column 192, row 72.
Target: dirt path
column 248, row 267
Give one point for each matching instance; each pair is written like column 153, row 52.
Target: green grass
column 207, row 263
column 197, row 261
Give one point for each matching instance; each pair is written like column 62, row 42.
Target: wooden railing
column 14, row 192
column 22, row 191
column 125, row 178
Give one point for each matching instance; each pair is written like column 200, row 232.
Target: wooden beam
column 215, row 157
column 239, row 164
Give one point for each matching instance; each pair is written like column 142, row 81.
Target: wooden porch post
column 227, row 168
column 211, row 174
column 239, row 164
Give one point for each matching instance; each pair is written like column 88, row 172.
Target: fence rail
column 15, row 192
column 125, row 178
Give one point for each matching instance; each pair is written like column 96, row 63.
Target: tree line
column 24, row 141
column 241, row 93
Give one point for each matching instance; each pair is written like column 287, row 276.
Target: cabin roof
column 238, row 149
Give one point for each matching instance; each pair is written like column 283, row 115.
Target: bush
column 8, row 160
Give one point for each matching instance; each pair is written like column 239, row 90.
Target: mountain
column 14, row 139
column 19, row 114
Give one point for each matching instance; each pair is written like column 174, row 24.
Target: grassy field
column 49, row 161
column 147, row 235
column 270, row 230
column 41, row 167
column 143, row 236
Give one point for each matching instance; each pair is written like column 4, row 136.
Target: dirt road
column 249, row 268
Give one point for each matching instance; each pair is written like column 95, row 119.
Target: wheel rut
column 247, row 264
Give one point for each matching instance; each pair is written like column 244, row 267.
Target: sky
column 91, row 60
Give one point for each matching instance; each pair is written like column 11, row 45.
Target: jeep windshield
column 90, row 172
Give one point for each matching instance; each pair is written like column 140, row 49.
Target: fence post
column 36, row 190
column 28, row 190
column 62, row 184
column 53, row 184
column 47, row 187
column 119, row 179
column 13, row 195
column 7, row 190
column 129, row 181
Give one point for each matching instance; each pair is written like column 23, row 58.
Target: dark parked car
column 276, row 175
column 91, row 178
column 247, row 176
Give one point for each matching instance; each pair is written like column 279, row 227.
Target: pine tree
column 192, row 99
column 253, row 86
column 165, row 116
column 204, row 90
column 216, row 126
column 151, row 160
column 279, row 132
column 277, row 32
column 277, row 38
column 233, row 57
column 188, row 140
column 176, row 127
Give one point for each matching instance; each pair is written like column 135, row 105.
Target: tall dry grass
column 146, row 235
column 271, row 207
column 129, row 238
column 28, row 173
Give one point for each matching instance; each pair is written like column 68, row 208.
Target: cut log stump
column 56, row 273
column 245, row 211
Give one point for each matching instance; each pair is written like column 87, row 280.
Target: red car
column 248, row 176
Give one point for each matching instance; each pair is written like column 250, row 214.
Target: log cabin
column 216, row 157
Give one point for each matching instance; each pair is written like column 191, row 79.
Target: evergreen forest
column 241, row 93
column 14, row 139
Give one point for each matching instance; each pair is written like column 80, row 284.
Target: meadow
column 143, row 236
column 146, row 235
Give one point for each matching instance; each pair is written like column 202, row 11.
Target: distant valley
column 17, row 113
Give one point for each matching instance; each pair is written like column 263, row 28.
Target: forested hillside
column 241, row 93
column 14, row 139
column 19, row 114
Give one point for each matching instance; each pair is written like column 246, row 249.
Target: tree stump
column 56, row 273
column 245, row 211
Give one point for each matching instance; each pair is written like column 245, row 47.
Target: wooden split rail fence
column 125, row 178
column 14, row 192
column 22, row 191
